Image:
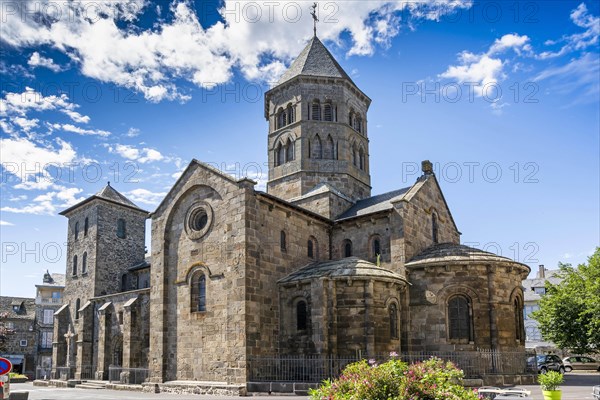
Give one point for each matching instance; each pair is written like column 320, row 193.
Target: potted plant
column 550, row 382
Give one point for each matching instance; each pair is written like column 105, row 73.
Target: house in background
column 533, row 290
column 48, row 300
column 21, row 345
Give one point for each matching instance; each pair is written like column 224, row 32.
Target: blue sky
column 503, row 97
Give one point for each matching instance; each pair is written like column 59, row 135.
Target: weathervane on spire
column 315, row 19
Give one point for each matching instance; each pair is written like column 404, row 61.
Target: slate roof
column 314, row 60
column 28, row 307
column 144, row 264
column 110, row 194
column 529, row 284
column 374, row 204
column 457, row 253
column 344, row 268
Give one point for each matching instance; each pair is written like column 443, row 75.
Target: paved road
column 577, row 386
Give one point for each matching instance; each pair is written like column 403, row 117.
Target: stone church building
column 314, row 265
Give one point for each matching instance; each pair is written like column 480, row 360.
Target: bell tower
column 318, row 137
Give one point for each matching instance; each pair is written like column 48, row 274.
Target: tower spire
column 315, row 19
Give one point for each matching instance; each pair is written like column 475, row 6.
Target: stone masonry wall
column 186, row 344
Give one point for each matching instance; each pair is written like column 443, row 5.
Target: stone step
column 91, row 385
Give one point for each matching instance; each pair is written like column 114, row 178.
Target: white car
column 581, row 362
column 495, row 393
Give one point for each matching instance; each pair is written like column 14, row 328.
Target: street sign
column 5, row 366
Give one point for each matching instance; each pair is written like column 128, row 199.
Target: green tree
column 569, row 313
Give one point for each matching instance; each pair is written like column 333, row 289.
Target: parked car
column 549, row 362
column 581, row 362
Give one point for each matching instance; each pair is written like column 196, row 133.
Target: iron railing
column 316, row 368
column 132, row 376
column 87, row 372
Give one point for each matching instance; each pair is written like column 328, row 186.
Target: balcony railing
column 47, row 300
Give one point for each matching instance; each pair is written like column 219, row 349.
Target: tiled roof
column 27, row 307
column 314, row 60
column 457, row 253
column 374, row 204
column 107, row 193
column 351, row 267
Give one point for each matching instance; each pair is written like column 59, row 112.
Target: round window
column 198, row 220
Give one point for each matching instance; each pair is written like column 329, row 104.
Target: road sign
column 5, row 366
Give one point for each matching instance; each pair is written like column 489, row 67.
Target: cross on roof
column 315, row 19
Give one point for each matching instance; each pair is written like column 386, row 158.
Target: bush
column 551, row 380
column 395, row 380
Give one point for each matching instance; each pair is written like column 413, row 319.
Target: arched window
column 301, row 315
column 329, row 152
column 519, row 323
column 282, row 241
column 434, row 227
column 84, row 263
column 361, row 159
column 351, row 118
column 316, row 110
column 291, row 115
column 75, row 265
column 376, row 247
column 77, row 306
column 354, row 155
column 393, row 321
column 198, row 293
column 347, row 248
column 310, row 250
column 459, row 318
column 86, row 225
column 76, row 230
column 124, row 283
column 280, row 119
column 358, row 124
column 289, row 150
column 327, row 112
column 316, row 148
column 279, row 155
column 121, row 231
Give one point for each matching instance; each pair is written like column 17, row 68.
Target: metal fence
column 132, row 376
column 87, row 372
column 316, row 368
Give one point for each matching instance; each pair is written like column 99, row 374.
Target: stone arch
column 516, row 300
column 289, row 150
column 312, row 241
column 316, row 147
column 193, row 269
column 117, row 351
column 329, row 150
column 451, row 290
column 375, row 246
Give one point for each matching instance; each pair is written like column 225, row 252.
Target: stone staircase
column 92, row 385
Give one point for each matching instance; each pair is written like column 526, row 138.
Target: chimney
column 541, row 272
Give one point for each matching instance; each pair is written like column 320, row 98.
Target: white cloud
column 5, row 223
column 21, row 103
column 145, row 196
column 49, row 203
column 143, row 155
column 80, row 131
column 28, row 161
column 36, row 60
column 104, row 43
column 577, row 41
column 132, row 132
column 579, row 75
column 486, row 69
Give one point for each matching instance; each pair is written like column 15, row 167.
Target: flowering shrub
column 433, row 379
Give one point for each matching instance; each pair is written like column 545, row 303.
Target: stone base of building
column 501, row 380
column 297, row 388
column 71, row 383
column 195, row 387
